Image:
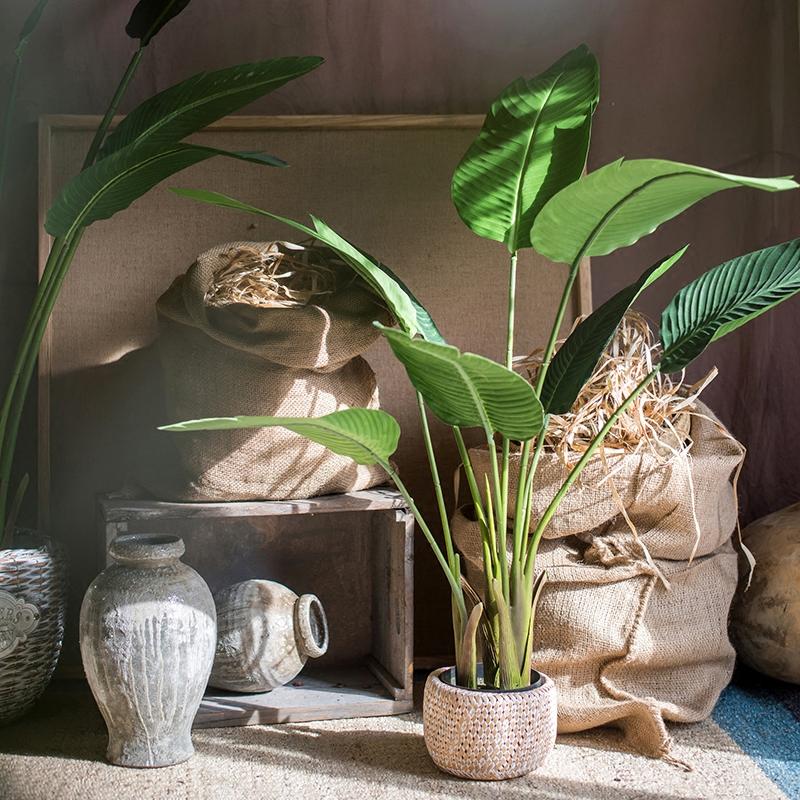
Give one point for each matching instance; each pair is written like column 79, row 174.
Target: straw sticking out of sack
column 280, row 275
column 658, row 419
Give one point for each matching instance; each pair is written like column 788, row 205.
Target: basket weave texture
column 488, row 735
column 37, row 576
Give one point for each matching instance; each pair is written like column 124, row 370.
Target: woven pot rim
column 36, row 544
column 539, row 683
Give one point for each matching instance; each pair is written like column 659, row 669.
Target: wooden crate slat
column 315, row 694
column 125, row 509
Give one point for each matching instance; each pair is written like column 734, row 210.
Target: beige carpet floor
column 56, row 753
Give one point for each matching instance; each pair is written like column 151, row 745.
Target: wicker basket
column 33, row 592
column 488, row 735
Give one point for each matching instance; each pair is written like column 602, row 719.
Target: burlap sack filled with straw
column 266, row 329
column 632, row 624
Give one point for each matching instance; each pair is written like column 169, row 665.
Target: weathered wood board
column 354, row 551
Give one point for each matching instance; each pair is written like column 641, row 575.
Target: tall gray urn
column 147, row 633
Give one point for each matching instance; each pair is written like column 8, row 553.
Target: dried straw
column 274, row 275
column 659, row 418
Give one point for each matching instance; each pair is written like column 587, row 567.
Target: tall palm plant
column 120, row 167
column 521, row 184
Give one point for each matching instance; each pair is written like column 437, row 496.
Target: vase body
column 265, row 635
column 147, row 635
column 33, row 595
column 488, row 735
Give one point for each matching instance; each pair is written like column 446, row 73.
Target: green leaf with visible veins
column 577, row 357
column 621, row 202
column 112, row 184
column 368, row 436
column 725, row 298
column 398, row 299
column 467, row 390
column 191, row 105
column 533, row 143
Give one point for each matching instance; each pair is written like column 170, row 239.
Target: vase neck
column 146, row 549
column 311, row 626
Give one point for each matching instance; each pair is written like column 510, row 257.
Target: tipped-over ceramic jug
column 265, row 635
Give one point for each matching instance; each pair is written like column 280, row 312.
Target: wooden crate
column 354, row 551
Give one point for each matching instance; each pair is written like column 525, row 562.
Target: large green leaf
column 29, row 26
column 619, row 203
column 398, row 299
column 726, row 297
column 467, row 390
column 188, row 107
column 425, row 326
column 113, row 183
column 577, row 357
column 533, row 143
column 368, row 436
column 150, row 16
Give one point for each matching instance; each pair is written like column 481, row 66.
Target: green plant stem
column 122, row 87
column 582, row 462
column 26, row 364
column 554, row 331
column 453, row 580
column 475, row 492
column 502, row 501
column 437, row 483
column 11, row 102
column 56, row 268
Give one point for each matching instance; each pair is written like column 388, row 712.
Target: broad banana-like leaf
column 150, row 16
column 425, row 326
column 576, row 359
column 29, row 26
column 368, row 436
column 189, row 106
column 621, row 202
column 466, row 390
column 533, row 143
column 726, row 297
column 112, row 184
column 397, row 298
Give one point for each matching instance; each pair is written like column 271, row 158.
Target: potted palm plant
column 521, row 184
column 119, row 167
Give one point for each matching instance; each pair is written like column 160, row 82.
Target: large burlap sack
column 632, row 638
column 241, row 359
column 681, row 499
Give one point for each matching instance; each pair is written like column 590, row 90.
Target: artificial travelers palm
column 521, row 184
column 120, row 167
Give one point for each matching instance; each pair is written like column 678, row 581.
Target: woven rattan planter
column 33, row 589
column 488, row 735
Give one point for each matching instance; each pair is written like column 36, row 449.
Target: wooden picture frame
column 381, row 181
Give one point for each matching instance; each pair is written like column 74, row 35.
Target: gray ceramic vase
column 147, row 632
column 265, row 635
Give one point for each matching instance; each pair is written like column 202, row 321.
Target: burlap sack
column 245, row 360
column 632, row 641
column 681, row 501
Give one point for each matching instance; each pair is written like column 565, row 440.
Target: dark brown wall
column 710, row 82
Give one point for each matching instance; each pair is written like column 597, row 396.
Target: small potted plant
column 521, row 184
column 120, row 166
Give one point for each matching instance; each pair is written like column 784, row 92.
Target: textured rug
column 748, row 751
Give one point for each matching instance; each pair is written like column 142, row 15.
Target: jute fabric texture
column 244, row 360
column 633, row 636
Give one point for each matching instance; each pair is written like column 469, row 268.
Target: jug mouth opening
column 311, row 625
column 146, row 549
